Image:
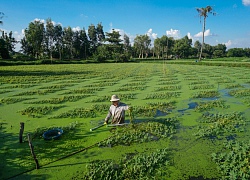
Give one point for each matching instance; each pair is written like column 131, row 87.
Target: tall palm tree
column 203, row 12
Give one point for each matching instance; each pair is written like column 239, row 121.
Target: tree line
column 52, row 41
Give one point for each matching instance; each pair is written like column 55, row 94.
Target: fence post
column 21, row 132
column 32, row 152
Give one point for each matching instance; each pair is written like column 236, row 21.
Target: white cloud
column 151, row 34
column 246, row 2
column 189, row 35
column 76, row 29
column 228, row 43
column 40, row 20
column 206, row 33
column 174, row 33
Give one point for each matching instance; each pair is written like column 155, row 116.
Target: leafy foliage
column 235, row 162
column 142, row 166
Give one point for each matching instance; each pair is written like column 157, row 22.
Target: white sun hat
column 114, row 98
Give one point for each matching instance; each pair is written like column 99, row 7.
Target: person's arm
column 108, row 116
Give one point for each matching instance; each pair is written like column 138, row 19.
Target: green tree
column 115, row 47
column 163, row 46
column 49, row 37
column 236, row 52
column 182, row 47
column 100, row 34
column 84, row 44
column 220, row 50
column 141, row 45
column 58, row 39
column 197, row 45
column 127, row 46
column 68, row 42
column 34, row 36
column 203, row 12
column 92, row 34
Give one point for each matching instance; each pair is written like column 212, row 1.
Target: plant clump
column 138, row 167
column 141, row 132
column 239, row 92
column 214, row 125
column 204, row 106
column 39, row 111
column 206, row 94
column 235, row 162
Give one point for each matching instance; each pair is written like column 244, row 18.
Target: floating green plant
column 39, row 111
column 240, row 92
column 168, row 88
column 130, row 88
column 235, row 162
column 215, row 125
column 83, row 91
column 77, row 113
column 163, row 95
column 206, row 94
column 231, row 86
column 59, row 100
column 130, row 167
column 142, row 132
column 204, row 106
column 13, row 100
column 204, row 86
column 35, row 92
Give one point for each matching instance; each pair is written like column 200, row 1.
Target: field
column 188, row 122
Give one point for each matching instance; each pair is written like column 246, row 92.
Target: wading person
column 116, row 111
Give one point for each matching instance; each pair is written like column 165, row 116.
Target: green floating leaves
column 239, row 92
column 142, row 132
column 206, row 94
column 163, row 95
column 204, row 106
column 77, row 113
column 219, row 124
column 130, row 167
column 39, row 111
column 235, row 162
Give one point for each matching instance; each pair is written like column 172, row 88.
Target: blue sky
column 230, row 26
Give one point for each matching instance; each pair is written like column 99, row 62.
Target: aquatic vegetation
column 130, row 88
column 39, row 111
column 206, row 94
column 13, row 100
column 77, row 113
column 83, row 91
column 163, row 95
column 142, row 132
column 214, row 125
column 204, row 86
column 232, row 86
column 142, row 166
column 168, row 88
column 234, row 163
column 59, row 100
column 204, row 106
column 36, row 92
column 240, row 92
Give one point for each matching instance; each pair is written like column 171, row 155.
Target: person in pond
column 116, row 111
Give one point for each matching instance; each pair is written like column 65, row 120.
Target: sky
column 174, row 18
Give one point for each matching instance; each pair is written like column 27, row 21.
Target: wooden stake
column 21, row 132
column 32, row 152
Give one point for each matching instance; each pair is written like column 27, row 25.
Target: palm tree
column 203, row 12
